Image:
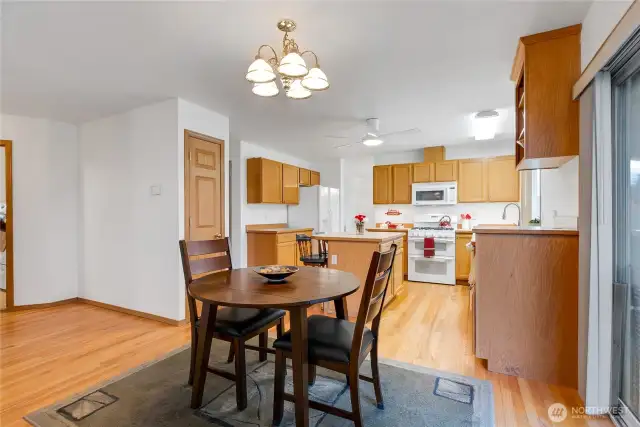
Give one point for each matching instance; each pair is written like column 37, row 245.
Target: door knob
column 218, row 236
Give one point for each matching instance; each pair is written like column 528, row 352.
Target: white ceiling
column 412, row 64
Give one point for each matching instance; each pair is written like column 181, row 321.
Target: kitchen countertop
column 388, row 230
column 510, row 229
column 279, row 230
column 380, row 237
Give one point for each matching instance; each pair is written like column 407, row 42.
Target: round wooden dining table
column 244, row 287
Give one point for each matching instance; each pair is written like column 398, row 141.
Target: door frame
column 7, row 144
column 187, row 170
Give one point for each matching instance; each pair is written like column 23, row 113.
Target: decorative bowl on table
column 276, row 273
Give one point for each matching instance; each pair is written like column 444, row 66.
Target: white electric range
column 441, row 268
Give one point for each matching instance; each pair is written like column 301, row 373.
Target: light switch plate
column 334, row 259
column 156, row 190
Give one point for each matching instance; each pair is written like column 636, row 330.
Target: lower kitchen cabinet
column 268, row 246
column 463, row 257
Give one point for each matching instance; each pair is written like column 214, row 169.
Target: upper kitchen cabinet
column 545, row 69
column 472, row 180
column 424, row 172
column 304, row 177
column 382, row 184
column 264, row 181
column 433, row 154
column 315, row 178
column 446, row 171
column 290, row 186
column 503, row 180
column 401, row 184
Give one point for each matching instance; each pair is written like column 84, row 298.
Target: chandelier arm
column 314, row 55
column 275, row 55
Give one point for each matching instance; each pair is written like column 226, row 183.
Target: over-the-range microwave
column 435, row 193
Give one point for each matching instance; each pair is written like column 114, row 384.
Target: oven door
column 444, row 246
column 437, row 269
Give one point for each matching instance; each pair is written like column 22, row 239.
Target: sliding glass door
column 626, row 223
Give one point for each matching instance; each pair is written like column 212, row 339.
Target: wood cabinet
column 472, row 181
column 545, row 69
column 433, row 154
column 503, row 180
column 264, row 181
column 267, row 246
column 446, row 171
column 401, row 184
column 382, row 184
column 269, row 181
column 463, row 257
column 291, row 190
column 424, row 172
column 304, row 177
column 488, row 180
column 315, row 178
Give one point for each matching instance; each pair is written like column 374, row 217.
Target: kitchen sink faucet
column 504, row 212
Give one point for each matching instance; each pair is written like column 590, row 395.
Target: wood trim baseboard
column 39, row 306
column 621, row 32
column 137, row 313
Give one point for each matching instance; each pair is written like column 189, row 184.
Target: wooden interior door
column 204, row 187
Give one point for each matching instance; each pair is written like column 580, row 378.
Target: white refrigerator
column 319, row 208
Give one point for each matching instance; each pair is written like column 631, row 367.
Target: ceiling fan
column 372, row 136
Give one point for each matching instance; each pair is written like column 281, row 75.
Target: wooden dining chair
column 342, row 346
column 235, row 325
column 308, row 258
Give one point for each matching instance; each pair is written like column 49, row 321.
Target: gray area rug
column 156, row 394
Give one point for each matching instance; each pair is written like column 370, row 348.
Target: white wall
column 559, row 195
column 357, row 190
column 480, row 149
column 600, row 20
column 45, row 202
column 253, row 213
column 130, row 237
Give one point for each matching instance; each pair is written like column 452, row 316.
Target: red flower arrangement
column 360, row 218
column 465, row 216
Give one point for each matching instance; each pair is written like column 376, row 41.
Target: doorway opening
column 6, row 226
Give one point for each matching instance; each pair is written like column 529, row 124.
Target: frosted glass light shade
column 297, row 91
column 372, row 141
column 292, row 65
column 260, row 72
column 315, row 80
column 485, row 125
column 266, row 89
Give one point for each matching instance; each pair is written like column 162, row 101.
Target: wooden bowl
column 278, row 274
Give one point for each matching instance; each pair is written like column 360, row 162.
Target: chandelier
column 297, row 80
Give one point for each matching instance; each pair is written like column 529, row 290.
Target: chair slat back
column 201, row 258
column 375, row 290
column 304, row 245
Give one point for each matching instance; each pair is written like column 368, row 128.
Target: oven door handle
column 437, row 240
column 434, row 258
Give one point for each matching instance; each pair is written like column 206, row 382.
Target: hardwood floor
column 49, row 354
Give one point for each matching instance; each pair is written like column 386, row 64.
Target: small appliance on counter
column 432, row 249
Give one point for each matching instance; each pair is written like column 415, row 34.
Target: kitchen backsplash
column 481, row 213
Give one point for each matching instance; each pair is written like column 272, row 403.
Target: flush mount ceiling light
column 298, row 81
column 485, row 124
column 371, row 140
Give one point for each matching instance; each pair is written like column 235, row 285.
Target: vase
column 359, row 228
column 466, row 224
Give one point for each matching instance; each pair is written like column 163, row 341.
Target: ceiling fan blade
column 336, row 137
column 401, row 132
column 342, row 146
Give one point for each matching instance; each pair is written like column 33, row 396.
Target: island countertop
column 279, row 230
column 521, row 229
column 380, row 236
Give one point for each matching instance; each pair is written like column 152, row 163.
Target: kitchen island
column 273, row 244
column 526, row 302
column 353, row 252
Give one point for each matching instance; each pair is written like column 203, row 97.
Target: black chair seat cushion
column 329, row 339
column 239, row 322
